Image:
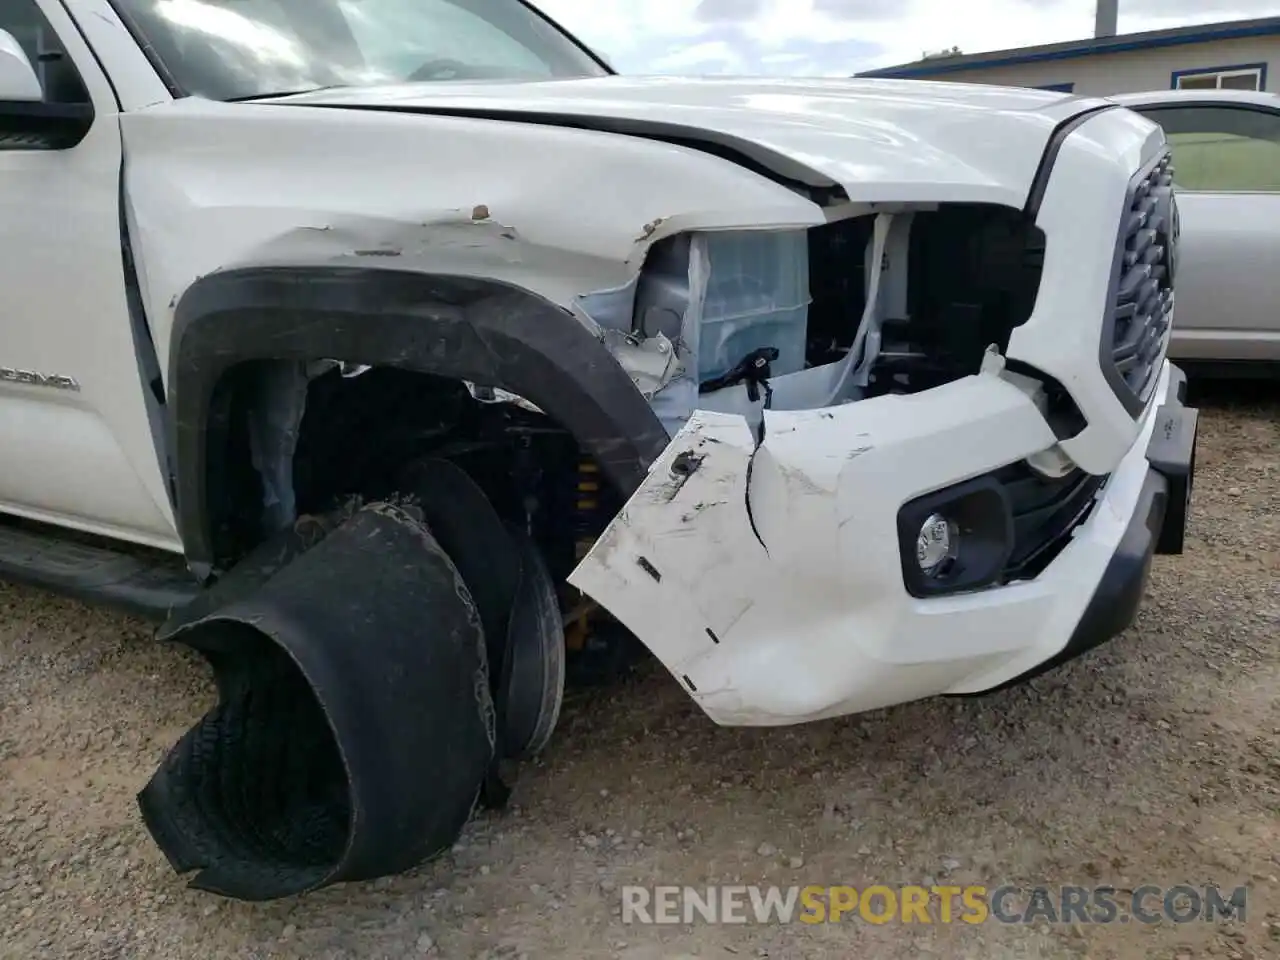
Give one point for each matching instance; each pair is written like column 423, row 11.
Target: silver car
column 1226, row 151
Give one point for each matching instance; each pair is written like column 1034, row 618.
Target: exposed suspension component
column 587, row 524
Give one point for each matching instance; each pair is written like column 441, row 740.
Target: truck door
column 78, row 434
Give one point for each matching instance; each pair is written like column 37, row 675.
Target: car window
column 242, row 49
column 59, row 79
column 388, row 37
column 1222, row 149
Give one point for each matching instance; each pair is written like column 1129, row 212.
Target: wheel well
column 289, row 438
column 253, row 439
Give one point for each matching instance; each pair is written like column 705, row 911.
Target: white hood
column 559, row 188
column 881, row 140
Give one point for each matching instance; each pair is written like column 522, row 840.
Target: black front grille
column 1045, row 512
column 1137, row 331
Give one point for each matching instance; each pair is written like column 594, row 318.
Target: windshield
column 243, row 49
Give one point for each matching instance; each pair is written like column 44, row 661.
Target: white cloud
column 618, row 27
column 703, row 56
column 840, row 37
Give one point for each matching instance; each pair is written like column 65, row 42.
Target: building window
column 1059, row 87
column 1247, row 76
column 1232, row 149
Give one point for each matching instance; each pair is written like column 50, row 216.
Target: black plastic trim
column 144, row 347
column 143, row 582
column 1133, row 402
column 482, row 331
column 1040, row 183
column 970, row 572
column 44, row 126
column 1115, row 602
column 1178, row 383
column 44, row 110
column 1172, row 454
column 1046, row 511
column 1158, row 526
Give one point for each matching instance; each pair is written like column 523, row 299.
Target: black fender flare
column 480, row 330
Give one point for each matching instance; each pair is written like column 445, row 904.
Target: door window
column 1222, row 149
column 58, row 77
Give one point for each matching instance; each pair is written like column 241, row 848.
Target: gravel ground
column 1153, row 760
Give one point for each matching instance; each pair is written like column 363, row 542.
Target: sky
column 841, row 37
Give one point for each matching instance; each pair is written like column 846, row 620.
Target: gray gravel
column 1153, row 760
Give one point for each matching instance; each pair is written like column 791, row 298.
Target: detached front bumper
column 768, row 578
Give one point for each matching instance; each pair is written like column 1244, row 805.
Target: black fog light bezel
column 983, row 515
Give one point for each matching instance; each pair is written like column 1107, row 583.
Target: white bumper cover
column 767, row 577
column 811, row 618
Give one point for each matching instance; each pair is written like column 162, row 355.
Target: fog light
column 937, row 545
column 955, row 539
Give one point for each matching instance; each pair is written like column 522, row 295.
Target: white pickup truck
column 375, row 346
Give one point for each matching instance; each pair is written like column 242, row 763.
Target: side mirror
column 18, row 80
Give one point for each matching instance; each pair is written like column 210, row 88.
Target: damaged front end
column 888, row 302
column 856, row 461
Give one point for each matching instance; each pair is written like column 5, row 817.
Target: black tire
column 516, row 596
column 348, row 743
column 465, row 523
